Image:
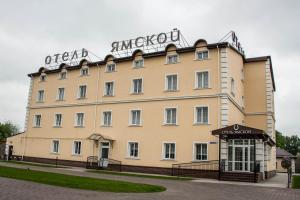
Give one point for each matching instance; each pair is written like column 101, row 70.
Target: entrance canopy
column 100, row 137
column 237, row 131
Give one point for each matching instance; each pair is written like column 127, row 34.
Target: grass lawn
column 32, row 164
column 296, row 182
column 141, row 175
column 77, row 181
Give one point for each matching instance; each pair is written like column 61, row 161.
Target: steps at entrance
column 238, row 176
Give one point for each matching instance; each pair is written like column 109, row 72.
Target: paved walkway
column 16, row 189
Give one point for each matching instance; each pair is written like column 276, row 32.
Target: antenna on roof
column 233, row 40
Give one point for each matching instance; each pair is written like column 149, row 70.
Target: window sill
column 138, row 67
column 133, row 158
column 166, row 159
column 77, row 155
column 134, row 125
column 199, row 161
column 200, row 124
column 170, row 91
column 40, row 102
column 172, row 63
column 81, row 98
column 55, row 153
column 60, row 100
column 106, row 126
column 136, row 93
column 197, row 59
column 57, row 126
column 37, row 127
column 78, row 126
column 83, row 75
column 110, row 71
column 108, row 95
column 202, row 88
column 170, row 125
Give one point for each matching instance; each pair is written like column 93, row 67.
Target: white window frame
column 60, row 73
column 58, row 94
column 171, row 55
column 166, row 82
column 130, row 117
column 201, row 51
column 195, row 114
column 106, row 67
column 73, row 148
column 132, row 86
column 165, row 115
column 52, row 146
column 195, row 153
column 85, row 68
column 35, row 120
column 86, row 91
column 128, row 150
column 113, row 92
column 55, row 122
column 164, row 150
column 138, row 60
column 102, row 121
column 83, row 123
column 196, row 79
column 38, row 96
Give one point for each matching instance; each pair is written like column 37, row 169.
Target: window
column 43, row 77
column 139, row 63
column 200, row 151
column 201, row 115
column 137, row 86
column 63, row 75
column 135, row 117
column 172, row 59
column 202, row 80
column 109, row 88
column 58, row 119
column 106, row 118
column 84, row 71
column 37, row 120
column 169, row 151
column 202, row 55
column 55, row 146
column 40, row 97
column 232, row 86
column 79, row 119
column 82, row 92
column 111, row 67
column 133, row 149
column 170, row 116
column 77, row 148
column 61, row 94
column 171, row 82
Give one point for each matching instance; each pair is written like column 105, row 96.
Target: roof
column 281, row 153
column 163, row 53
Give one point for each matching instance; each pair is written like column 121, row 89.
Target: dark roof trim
column 260, row 59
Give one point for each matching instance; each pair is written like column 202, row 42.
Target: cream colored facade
column 249, row 102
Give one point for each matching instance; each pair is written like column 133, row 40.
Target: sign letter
column 178, row 36
column 48, row 60
column 161, row 38
column 115, row 46
column 139, row 43
column 65, row 56
column 56, row 57
column 126, row 46
column 74, row 55
column 84, row 53
column 149, row 40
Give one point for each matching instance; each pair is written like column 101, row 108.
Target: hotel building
column 150, row 112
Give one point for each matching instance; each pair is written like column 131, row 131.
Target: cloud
column 36, row 29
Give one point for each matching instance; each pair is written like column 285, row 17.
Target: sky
column 31, row 30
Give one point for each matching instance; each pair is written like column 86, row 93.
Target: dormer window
column 171, row 59
column 138, row 63
column 111, row 67
column 63, row 75
column 84, row 71
column 202, row 55
column 43, row 77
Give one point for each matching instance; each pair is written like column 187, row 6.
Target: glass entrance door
column 241, row 155
column 104, row 151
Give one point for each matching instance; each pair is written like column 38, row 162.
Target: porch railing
column 200, row 169
column 93, row 162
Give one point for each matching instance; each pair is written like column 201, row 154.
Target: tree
column 292, row 144
column 7, row 129
column 280, row 140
